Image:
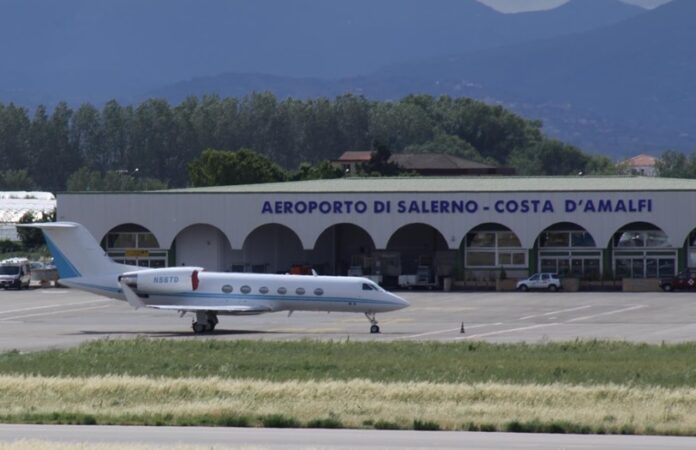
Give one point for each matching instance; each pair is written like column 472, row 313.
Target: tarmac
column 43, row 318
column 296, row 439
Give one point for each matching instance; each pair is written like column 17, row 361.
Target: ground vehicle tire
column 667, row 287
column 524, row 288
column 553, row 288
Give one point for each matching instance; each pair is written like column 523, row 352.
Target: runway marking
column 449, row 331
column 555, row 312
column 510, row 330
column 52, row 313
column 53, row 306
column 632, row 308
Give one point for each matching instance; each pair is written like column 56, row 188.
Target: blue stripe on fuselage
column 277, row 298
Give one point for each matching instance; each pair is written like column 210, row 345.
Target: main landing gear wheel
column 205, row 322
column 374, row 329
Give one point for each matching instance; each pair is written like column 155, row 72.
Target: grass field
column 580, row 387
column 586, row 362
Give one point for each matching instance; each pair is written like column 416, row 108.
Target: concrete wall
column 238, row 215
column 203, row 245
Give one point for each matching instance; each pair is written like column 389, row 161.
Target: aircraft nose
column 402, row 302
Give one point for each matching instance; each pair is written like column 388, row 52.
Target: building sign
column 499, row 206
column 137, row 253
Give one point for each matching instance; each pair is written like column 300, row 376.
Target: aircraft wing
column 240, row 310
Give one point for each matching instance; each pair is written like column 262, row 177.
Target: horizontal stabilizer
column 131, row 296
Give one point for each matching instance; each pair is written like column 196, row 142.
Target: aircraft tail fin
column 75, row 251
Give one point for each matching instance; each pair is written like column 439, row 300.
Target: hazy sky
column 527, row 5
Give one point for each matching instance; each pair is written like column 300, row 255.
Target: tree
column 14, row 137
column 676, row 164
column 116, row 135
column 450, row 145
column 64, row 154
column 352, row 119
column 87, row 136
column 152, row 146
column 323, row 170
column 220, row 167
column 112, row 180
column 161, row 140
column 552, row 157
column 39, row 146
column 16, row 180
column 379, row 164
column 32, row 238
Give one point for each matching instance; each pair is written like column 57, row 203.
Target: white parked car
column 547, row 281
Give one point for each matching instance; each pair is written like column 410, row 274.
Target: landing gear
column 205, row 322
column 374, row 329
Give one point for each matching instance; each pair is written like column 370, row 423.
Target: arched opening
column 344, row 249
column 272, row 248
column 135, row 245
column 417, row 255
column 642, row 250
column 569, row 250
column 491, row 248
column 203, row 245
column 690, row 251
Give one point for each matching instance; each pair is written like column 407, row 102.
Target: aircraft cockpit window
column 318, row 291
column 227, row 289
column 299, row 291
column 263, row 290
column 245, row 289
column 376, row 287
column 367, row 287
column 282, row 291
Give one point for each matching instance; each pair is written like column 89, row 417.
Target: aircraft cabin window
column 245, row 289
column 318, row 291
column 227, row 289
column 282, row 290
column 263, row 290
column 367, row 287
column 300, row 291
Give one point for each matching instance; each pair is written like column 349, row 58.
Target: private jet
column 83, row 264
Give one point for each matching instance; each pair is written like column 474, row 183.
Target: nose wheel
column 374, row 329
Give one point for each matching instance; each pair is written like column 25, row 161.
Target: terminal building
column 386, row 228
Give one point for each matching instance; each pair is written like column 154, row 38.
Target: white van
column 15, row 274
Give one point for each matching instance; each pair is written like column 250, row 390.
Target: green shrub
column 279, row 421
column 425, row 425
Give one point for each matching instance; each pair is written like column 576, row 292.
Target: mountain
column 619, row 90
column 93, row 50
column 638, row 74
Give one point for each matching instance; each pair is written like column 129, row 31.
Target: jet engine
column 162, row 281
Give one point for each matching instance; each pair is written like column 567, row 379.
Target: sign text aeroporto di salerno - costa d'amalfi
column 434, row 206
